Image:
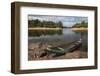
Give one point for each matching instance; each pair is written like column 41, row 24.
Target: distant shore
column 74, row 29
column 79, row 29
column 44, row 28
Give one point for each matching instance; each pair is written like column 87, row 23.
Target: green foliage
column 49, row 24
column 82, row 24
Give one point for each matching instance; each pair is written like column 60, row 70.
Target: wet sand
column 74, row 55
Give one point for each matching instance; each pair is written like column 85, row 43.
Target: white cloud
column 66, row 20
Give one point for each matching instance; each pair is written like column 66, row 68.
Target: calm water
column 55, row 37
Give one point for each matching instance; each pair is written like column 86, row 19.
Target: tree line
column 48, row 24
column 82, row 24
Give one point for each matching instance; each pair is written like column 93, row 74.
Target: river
column 56, row 37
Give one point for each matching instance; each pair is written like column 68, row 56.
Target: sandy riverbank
column 36, row 49
column 77, row 54
column 79, row 29
column 44, row 28
column 74, row 29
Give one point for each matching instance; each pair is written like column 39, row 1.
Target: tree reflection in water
column 37, row 33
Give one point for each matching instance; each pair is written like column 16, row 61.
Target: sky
column 68, row 21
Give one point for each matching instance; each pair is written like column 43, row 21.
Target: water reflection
column 55, row 37
column 38, row 33
column 84, row 37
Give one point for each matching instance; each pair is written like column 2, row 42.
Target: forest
column 47, row 24
column 79, row 25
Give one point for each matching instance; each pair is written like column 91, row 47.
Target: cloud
column 66, row 20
